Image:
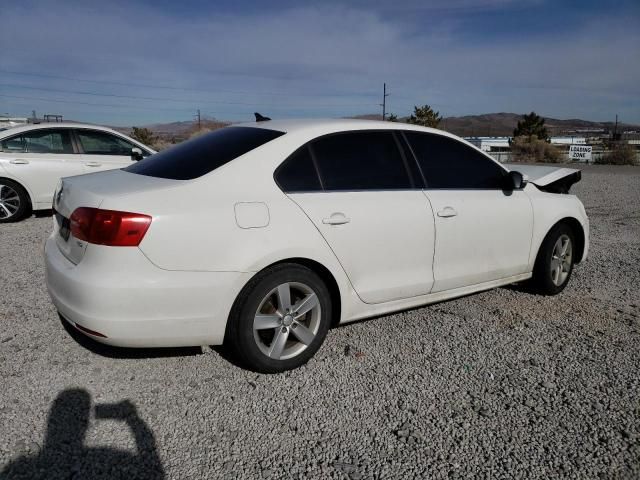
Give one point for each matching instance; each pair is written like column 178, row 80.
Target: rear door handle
column 93, row 164
column 19, row 162
column 447, row 212
column 336, row 218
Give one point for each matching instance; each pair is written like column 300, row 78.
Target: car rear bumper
column 117, row 292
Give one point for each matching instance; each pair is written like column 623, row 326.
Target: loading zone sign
column 580, row 153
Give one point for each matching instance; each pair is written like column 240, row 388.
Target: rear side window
column 360, row 161
column 449, row 163
column 48, row 141
column 197, row 157
column 298, row 173
column 13, row 144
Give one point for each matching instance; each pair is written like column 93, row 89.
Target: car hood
column 550, row 179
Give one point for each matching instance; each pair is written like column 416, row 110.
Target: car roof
column 331, row 125
column 311, row 128
column 40, row 126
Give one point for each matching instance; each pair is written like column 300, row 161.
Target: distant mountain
column 175, row 132
column 488, row 124
column 503, row 124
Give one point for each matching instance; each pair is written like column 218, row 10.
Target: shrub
column 143, row 135
column 622, row 154
column 425, row 116
column 532, row 149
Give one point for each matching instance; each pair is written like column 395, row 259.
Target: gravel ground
column 503, row 384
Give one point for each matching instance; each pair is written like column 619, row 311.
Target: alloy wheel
column 9, row 202
column 287, row 320
column 561, row 259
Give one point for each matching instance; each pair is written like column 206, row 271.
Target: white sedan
column 261, row 236
column 34, row 157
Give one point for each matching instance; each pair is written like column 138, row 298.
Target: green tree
column 392, row 117
column 531, row 125
column 143, row 135
column 425, row 116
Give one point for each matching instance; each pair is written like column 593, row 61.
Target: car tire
column 280, row 319
column 14, row 201
column 555, row 261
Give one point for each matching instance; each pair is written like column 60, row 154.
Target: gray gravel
column 503, row 384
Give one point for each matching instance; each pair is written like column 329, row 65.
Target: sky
column 151, row 61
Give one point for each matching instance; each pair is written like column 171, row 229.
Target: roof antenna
column 260, row 118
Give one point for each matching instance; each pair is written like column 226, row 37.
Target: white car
column 34, row 157
column 261, row 236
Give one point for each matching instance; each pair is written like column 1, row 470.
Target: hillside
column 502, row 124
column 489, row 124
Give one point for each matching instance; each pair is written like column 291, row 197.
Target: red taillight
column 109, row 227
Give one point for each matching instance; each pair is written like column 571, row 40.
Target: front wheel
column 280, row 319
column 554, row 264
column 14, row 201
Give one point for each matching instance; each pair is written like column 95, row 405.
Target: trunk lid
column 90, row 191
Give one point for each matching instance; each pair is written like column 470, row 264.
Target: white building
column 490, row 144
column 568, row 140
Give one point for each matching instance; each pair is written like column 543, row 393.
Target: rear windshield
column 197, row 157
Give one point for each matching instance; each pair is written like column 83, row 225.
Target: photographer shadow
column 65, row 455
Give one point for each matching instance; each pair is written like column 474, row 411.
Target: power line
column 42, row 99
column 160, row 99
column 184, row 89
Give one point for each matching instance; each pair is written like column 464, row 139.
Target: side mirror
column 516, row 180
column 136, row 154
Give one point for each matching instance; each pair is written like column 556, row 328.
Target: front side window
column 203, row 154
column 360, row 161
column 102, row 143
column 47, row 141
column 450, row 164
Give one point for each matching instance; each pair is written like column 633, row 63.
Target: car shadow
column 43, row 213
column 64, row 453
column 110, row 351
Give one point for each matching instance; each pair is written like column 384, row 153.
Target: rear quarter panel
column 195, row 227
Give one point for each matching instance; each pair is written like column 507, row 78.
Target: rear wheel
column 554, row 264
column 14, row 201
column 280, row 319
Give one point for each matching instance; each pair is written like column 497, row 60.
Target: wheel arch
column 578, row 234
column 323, row 272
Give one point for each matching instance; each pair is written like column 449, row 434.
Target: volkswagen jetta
column 261, row 236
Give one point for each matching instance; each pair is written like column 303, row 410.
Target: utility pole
column 384, row 101
column 615, row 129
column 197, row 115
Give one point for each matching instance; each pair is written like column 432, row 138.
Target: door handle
column 337, row 218
column 447, row 212
column 19, row 162
column 93, row 164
